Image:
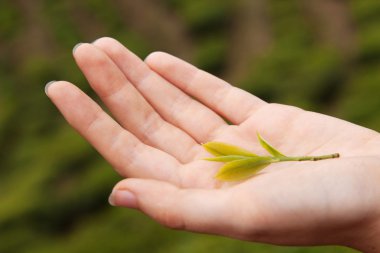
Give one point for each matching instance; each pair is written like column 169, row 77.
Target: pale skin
column 164, row 108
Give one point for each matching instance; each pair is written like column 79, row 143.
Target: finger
column 129, row 107
column 200, row 210
column 172, row 104
column 123, row 150
column 234, row 104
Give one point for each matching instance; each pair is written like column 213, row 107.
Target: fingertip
column 104, row 41
column 124, row 198
column 94, row 42
column 61, row 90
column 76, row 47
column 125, row 193
column 51, row 87
column 158, row 58
column 83, row 51
column 47, row 87
column 109, row 46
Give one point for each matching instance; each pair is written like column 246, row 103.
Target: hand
column 164, row 108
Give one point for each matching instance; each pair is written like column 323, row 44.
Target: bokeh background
column 321, row 55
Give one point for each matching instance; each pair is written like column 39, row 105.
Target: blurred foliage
column 54, row 186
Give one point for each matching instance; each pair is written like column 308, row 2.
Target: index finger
column 126, row 153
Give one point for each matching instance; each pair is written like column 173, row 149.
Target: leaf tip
column 271, row 150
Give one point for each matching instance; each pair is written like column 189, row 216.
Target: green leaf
column 224, row 149
column 242, row 169
column 227, row 158
column 241, row 164
column 269, row 148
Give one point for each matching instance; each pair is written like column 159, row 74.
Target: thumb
column 199, row 210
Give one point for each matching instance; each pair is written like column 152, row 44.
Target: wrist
column 367, row 239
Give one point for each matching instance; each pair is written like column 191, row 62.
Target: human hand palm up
column 165, row 109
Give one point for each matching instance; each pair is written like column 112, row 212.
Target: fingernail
column 76, row 47
column 48, row 85
column 123, row 198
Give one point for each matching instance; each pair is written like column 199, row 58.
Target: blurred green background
column 321, row 55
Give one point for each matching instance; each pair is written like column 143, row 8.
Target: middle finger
column 129, row 107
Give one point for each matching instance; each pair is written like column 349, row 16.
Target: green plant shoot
column 240, row 164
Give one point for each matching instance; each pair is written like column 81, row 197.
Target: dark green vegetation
column 319, row 55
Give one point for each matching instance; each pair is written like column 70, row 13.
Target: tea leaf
column 269, row 148
column 227, row 158
column 224, row 149
column 241, row 164
column 242, row 169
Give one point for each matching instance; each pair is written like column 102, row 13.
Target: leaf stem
column 308, row 158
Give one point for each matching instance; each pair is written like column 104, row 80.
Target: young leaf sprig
column 241, row 164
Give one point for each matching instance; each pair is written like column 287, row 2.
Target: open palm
column 164, row 108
